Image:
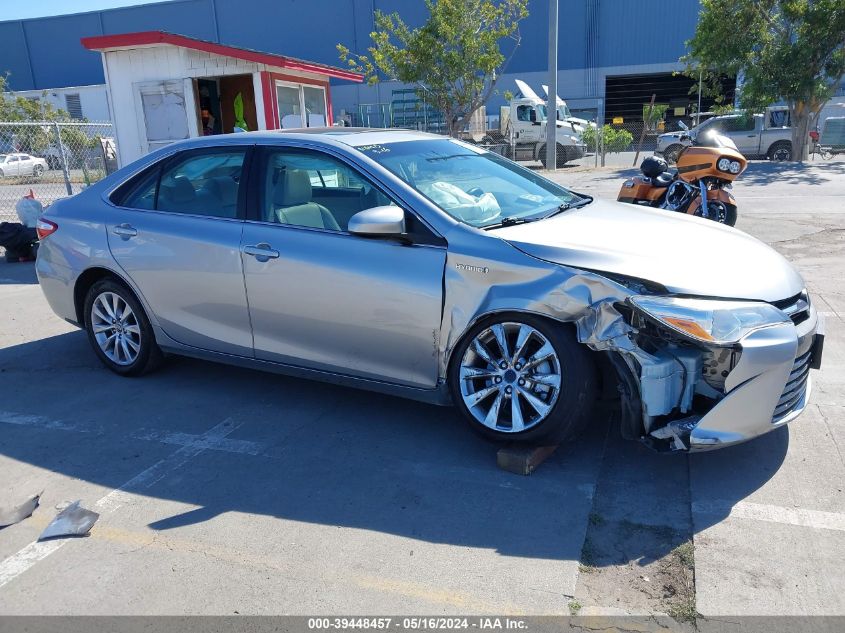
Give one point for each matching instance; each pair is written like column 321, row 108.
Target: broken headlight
column 708, row 320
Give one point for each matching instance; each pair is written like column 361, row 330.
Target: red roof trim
column 142, row 38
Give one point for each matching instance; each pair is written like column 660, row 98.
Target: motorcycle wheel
column 719, row 212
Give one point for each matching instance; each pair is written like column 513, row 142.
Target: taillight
column 45, row 227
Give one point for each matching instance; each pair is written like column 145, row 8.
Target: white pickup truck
column 766, row 135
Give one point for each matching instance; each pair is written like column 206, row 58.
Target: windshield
column 563, row 112
column 472, row 185
column 712, row 138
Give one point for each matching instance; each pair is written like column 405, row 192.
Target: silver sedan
column 422, row 266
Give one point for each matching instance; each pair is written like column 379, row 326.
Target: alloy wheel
column 510, row 377
column 782, row 154
column 116, row 328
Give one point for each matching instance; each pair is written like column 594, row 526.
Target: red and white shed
column 163, row 87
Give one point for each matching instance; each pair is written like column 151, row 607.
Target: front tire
column 521, row 378
column 119, row 330
column 561, row 160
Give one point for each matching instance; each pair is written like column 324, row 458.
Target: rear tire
column 552, row 377
column 781, row 151
column 37, row 171
column 119, row 330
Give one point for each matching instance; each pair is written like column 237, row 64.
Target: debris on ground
column 74, row 520
column 10, row 516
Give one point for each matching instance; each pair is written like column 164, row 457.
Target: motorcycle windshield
column 713, row 139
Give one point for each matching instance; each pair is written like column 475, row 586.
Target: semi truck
column 522, row 130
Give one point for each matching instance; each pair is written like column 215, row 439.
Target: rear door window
column 198, row 183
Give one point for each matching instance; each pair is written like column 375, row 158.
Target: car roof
column 349, row 136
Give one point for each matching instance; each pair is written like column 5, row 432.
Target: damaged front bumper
column 686, row 407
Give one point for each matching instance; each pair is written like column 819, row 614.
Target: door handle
column 262, row 252
column 125, row 231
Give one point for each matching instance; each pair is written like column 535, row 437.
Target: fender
column 721, row 195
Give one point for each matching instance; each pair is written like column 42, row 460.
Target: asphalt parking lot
column 229, row 491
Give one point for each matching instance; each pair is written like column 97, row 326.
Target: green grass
column 685, row 553
column 574, row 607
column 684, row 612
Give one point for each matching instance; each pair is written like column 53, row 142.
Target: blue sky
column 15, row 9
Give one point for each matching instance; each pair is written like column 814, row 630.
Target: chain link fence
column 53, row 159
column 602, row 140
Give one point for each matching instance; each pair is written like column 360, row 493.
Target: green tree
column 35, row 139
column 607, row 140
column 790, row 50
column 454, row 59
column 653, row 115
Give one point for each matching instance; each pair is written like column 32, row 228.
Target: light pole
column 551, row 108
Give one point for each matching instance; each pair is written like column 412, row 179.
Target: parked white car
column 21, row 165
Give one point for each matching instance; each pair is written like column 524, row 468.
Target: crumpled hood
column 686, row 255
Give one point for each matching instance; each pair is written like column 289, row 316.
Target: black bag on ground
column 18, row 240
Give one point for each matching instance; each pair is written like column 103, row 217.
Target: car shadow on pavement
column 18, row 273
column 308, row 452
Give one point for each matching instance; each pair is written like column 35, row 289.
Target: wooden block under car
column 523, row 460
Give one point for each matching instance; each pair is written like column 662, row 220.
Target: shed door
column 162, row 113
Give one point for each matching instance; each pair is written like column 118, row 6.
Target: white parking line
column 21, row 419
column 244, row 447
column 24, row 559
column 818, row 519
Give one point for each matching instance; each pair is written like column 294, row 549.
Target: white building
column 81, row 102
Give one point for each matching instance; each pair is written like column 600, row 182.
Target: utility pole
column 551, row 108
column 698, row 111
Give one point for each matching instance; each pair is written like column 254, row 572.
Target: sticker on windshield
column 373, row 149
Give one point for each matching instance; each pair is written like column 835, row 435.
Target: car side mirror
column 683, row 126
column 386, row 221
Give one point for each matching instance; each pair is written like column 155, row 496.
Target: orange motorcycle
column 699, row 185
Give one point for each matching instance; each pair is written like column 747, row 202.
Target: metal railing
column 53, row 159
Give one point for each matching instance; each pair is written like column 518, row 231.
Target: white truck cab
column 565, row 114
column 524, row 122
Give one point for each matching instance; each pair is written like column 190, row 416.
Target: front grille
column 793, row 394
column 797, row 308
